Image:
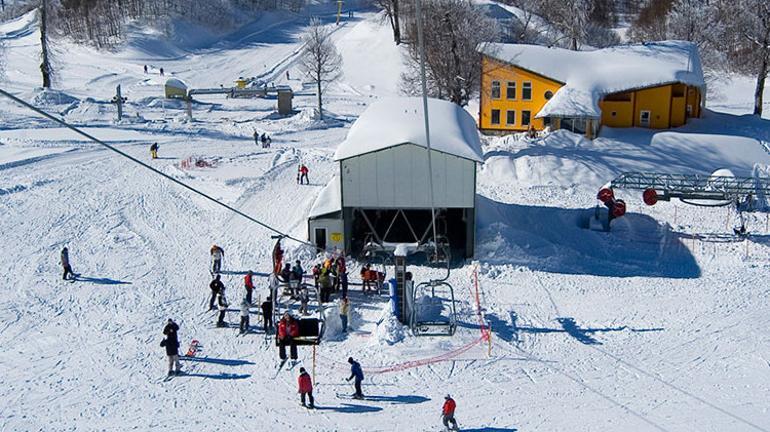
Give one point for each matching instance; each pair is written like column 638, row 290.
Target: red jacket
column 292, row 330
column 303, row 169
column 449, row 407
column 305, row 383
column 248, row 282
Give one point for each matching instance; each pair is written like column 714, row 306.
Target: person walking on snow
column 303, row 170
column 448, row 413
column 357, row 373
column 263, row 138
column 65, row 263
column 244, row 328
column 305, row 388
column 154, row 150
column 267, row 313
column 296, row 276
column 171, row 343
column 256, row 137
column 344, row 313
column 217, row 254
column 222, row 303
column 216, row 287
column 287, row 331
column 249, row 285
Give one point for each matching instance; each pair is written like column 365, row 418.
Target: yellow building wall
column 657, row 100
column 693, row 99
column 624, row 112
column 678, row 117
column 493, row 70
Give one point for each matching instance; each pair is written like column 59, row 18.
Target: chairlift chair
column 311, row 328
column 426, row 322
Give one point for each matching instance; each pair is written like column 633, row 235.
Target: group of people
column 331, row 276
column 147, row 70
column 264, row 140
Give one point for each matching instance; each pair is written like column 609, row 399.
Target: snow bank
column 43, row 96
column 389, row 330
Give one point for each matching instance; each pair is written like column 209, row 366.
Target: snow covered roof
column 176, row 83
column 589, row 75
column 390, row 122
column 329, row 200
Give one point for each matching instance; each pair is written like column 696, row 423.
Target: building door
column 320, row 238
column 644, row 118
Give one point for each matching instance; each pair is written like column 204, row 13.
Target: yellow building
column 654, row 85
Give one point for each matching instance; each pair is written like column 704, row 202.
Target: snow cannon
column 650, row 196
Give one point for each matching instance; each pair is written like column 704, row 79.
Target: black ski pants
column 282, row 348
column 244, row 324
column 358, row 387
column 68, row 271
column 310, row 398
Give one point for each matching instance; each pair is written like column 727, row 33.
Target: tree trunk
column 396, row 24
column 45, row 65
column 758, row 93
column 320, row 106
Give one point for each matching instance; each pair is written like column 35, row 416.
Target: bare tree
column 651, row 23
column 454, row 29
column 393, row 14
column 319, row 60
column 749, row 42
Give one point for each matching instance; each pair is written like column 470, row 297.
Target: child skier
column 357, row 373
column 222, row 302
column 448, row 413
column 217, row 253
column 305, row 388
column 171, row 343
column 216, row 287
column 267, row 313
column 244, row 328
column 65, row 263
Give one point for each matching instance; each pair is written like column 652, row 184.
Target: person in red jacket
column 303, row 171
column 448, row 413
column 288, row 329
column 305, row 388
column 249, row 284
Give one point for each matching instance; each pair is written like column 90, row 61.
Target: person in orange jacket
column 305, row 388
column 288, row 329
column 448, row 413
column 249, row 285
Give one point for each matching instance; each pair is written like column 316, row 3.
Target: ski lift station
column 381, row 193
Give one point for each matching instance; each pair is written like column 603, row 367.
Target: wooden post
column 489, row 342
column 314, row 364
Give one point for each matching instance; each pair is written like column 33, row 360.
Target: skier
column 303, row 174
column 304, row 300
column 263, row 138
column 267, row 313
column 325, row 282
column 65, row 263
column 287, row 75
column 287, row 331
column 296, row 275
column 365, row 278
column 154, row 150
column 448, row 413
column 222, row 302
column 357, row 373
column 305, row 388
column 342, row 274
column 216, row 287
column 171, row 343
column 145, row 69
column 244, row 328
column 256, row 137
column 249, row 285
column 161, row 72
column 217, row 254
column 344, row 313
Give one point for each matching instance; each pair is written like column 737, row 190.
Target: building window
column 495, row 89
column 495, row 116
column 548, row 95
column 525, row 115
column 614, row 114
column 510, row 117
column 526, row 90
column 510, row 90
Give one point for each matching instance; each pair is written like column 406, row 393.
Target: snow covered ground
column 657, row 325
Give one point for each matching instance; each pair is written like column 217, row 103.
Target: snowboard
column 194, row 348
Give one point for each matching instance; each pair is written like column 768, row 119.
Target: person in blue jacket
column 357, row 373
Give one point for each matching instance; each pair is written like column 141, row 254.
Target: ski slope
column 658, row 325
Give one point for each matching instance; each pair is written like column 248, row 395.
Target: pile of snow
column 389, row 330
column 45, row 97
column 589, row 75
